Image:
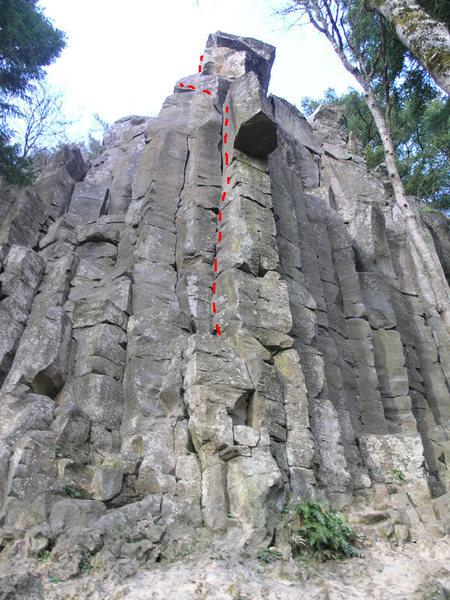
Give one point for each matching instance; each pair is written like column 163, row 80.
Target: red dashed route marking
column 224, row 194
column 194, row 87
column 219, row 217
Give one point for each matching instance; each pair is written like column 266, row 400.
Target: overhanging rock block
column 252, row 117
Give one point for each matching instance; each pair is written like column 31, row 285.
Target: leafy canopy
column 420, row 124
column 412, row 106
column 28, row 43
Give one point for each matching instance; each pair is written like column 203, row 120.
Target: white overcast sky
column 123, row 57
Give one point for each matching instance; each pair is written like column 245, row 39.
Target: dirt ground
column 415, row 571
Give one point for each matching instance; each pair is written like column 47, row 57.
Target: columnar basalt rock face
column 127, row 423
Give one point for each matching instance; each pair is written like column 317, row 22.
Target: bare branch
column 40, row 120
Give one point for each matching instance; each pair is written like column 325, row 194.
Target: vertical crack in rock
column 129, row 432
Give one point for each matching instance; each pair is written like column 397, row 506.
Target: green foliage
column 56, row 450
column 424, row 156
column 54, row 579
column 402, row 92
column 399, row 475
column 28, row 43
column 268, row 555
column 420, row 124
column 324, row 532
column 85, row 566
column 309, row 105
column 14, row 169
column 438, row 9
column 71, row 491
column 43, row 555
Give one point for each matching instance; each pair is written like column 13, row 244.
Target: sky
column 124, row 56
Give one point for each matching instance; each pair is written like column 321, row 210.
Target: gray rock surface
column 128, row 426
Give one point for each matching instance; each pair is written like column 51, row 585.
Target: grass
column 323, row 532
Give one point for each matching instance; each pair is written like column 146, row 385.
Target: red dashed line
column 193, row 87
column 224, row 194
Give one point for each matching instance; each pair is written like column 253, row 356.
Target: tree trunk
column 426, row 38
column 430, row 259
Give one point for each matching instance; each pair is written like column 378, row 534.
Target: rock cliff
column 222, row 314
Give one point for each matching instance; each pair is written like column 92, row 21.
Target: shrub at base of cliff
column 318, row 530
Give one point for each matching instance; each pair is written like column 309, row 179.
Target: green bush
column 324, row 532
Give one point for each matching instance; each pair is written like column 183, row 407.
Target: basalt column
column 219, row 315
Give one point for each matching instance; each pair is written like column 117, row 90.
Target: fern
column 322, row 531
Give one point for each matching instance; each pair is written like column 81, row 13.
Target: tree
column 40, row 120
column 427, row 38
column 369, row 49
column 28, row 43
column 420, row 133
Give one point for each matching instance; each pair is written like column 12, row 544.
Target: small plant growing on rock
column 71, row 491
column 268, row 555
column 43, row 555
column 322, row 531
column 56, row 450
column 85, row 566
column 399, row 475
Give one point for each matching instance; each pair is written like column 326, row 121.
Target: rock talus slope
column 128, row 427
